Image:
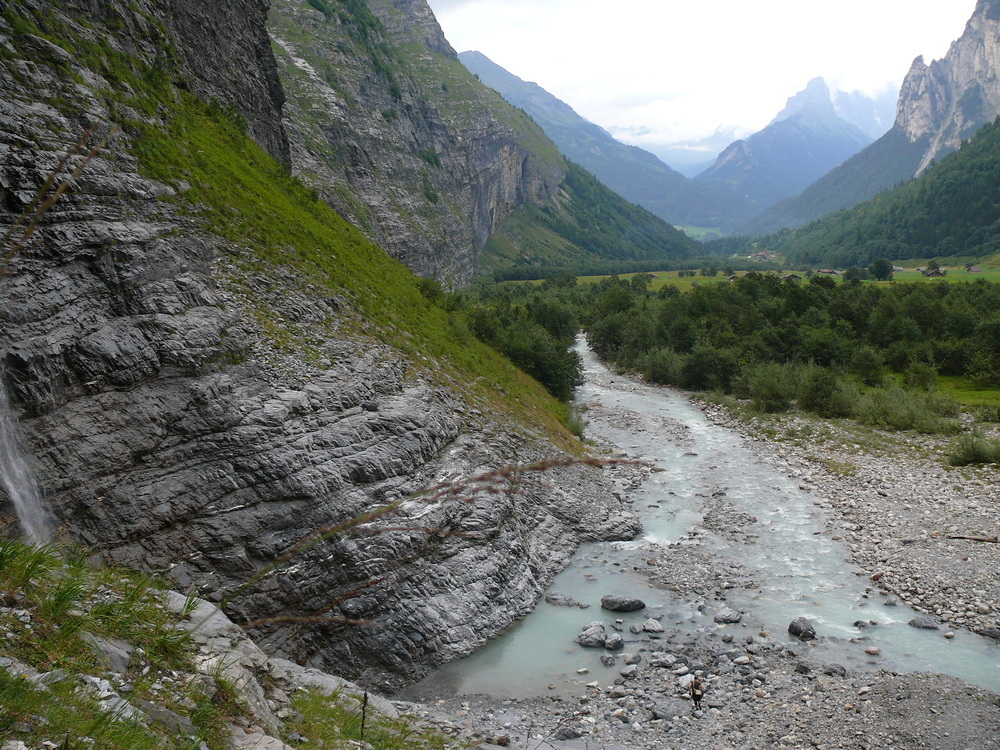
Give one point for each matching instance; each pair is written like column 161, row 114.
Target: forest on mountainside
column 952, row 209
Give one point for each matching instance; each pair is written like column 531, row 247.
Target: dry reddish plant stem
column 24, row 226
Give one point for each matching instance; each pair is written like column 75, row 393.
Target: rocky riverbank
column 899, row 506
column 894, row 502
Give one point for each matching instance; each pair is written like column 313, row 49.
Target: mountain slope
column 805, row 141
column 953, row 208
column 209, row 364
column 393, row 131
column 587, row 224
column 939, row 105
column 892, row 159
column 633, row 173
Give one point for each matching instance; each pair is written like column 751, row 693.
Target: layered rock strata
column 168, row 434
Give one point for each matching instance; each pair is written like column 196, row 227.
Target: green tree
column 881, row 269
column 854, row 273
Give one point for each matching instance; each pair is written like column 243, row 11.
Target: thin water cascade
column 17, row 478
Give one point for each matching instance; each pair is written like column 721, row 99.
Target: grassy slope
column 286, row 225
column 241, row 194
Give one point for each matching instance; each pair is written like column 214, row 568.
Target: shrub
column 663, row 366
column 974, row 448
column 920, row 375
column 868, row 365
column 897, row 408
column 771, row 387
column 709, row 369
column 822, row 393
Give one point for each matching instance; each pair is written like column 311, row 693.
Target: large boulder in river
column 993, row 633
column 802, row 629
column 727, row 616
column 614, row 642
column 924, row 623
column 616, row 603
column 593, row 636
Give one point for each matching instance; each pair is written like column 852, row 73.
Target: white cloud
column 681, row 70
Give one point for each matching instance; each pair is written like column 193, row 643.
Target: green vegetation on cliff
column 230, row 187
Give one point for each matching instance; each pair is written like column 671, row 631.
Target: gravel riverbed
column 896, row 504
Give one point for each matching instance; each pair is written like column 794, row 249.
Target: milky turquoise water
column 800, row 569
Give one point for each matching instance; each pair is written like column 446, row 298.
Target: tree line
column 835, row 349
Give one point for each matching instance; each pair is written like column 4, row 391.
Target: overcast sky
column 680, row 69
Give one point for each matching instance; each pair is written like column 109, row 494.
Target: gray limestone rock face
column 169, row 433
column 427, row 171
column 951, row 98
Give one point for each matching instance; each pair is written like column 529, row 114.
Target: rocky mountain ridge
column 209, row 366
column 940, row 105
column 951, row 98
column 805, row 140
column 633, row 173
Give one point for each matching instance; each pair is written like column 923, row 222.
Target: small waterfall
column 17, row 479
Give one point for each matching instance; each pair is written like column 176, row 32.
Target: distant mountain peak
column 805, row 141
column 816, row 96
column 940, row 104
column 632, row 172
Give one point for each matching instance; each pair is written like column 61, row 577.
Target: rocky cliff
column 940, row 105
column 950, row 99
column 398, row 136
column 633, row 173
column 210, row 366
